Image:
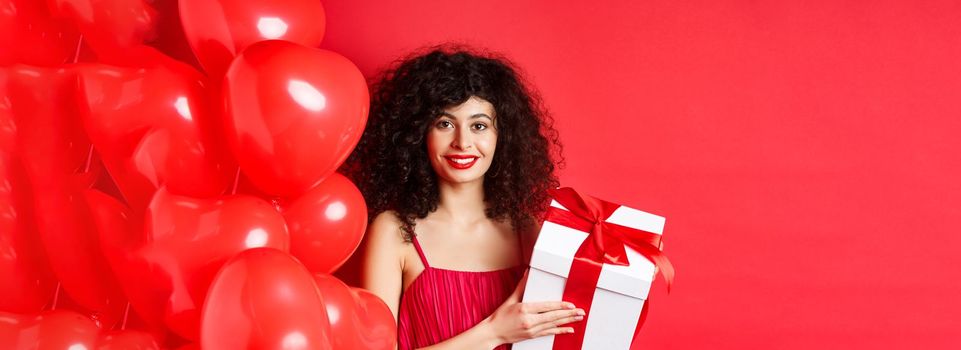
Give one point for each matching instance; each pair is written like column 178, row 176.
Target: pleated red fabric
column 441, row 303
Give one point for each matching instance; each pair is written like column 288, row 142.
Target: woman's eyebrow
column 475, row 116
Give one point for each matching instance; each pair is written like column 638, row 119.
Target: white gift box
column 620, row 292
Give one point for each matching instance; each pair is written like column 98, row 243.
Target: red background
column 805, row 156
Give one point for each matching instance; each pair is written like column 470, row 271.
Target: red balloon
column 42, row 103
column 154, row 127
column 264, row 299
column 121, row 235
column 127, row 340
column 326, row 224
column 358, row 318
column 28, row 282
column 293, row 114
column 29, row 35
column 66, row 330
column 109, row 26
column 218, row 30
column 56, row 157
column 171, row 39
column 50, row 330
column 167, row 270
column 189, row 239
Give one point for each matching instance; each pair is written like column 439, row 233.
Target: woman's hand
column 515, row 321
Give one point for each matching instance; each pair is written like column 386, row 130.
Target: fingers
column 554, row 331
column 556, row 324
column 557, row 315
column 545, row 306
column 557, row 318
column 567, row 320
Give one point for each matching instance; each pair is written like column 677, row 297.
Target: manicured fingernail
column 581, row 312
column 570, row 331
column 578, row 318
column 569, row 305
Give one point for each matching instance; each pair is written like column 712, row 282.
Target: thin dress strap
column 420, row 252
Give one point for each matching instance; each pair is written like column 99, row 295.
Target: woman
column 455, row 164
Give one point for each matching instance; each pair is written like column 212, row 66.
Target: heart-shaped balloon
column 56, row 157
column 153, row 127
column 64, row 329
column 378, row 320
column 218, row 30
column 293, row 114
column 171, row 39
column 358, row 319
column 29, row 35
column 42, row 103
column 121, row 236
column 166, row 266
column 127, row 340
column 189, row 239
column 264, row 299
column 48, row 330
column 28, row 282
column 326, row 224
column 109, row 26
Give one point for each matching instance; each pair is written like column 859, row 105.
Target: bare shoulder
column 385, row 230
column 384, row 246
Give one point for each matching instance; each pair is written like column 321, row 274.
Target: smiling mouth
column 461, row 163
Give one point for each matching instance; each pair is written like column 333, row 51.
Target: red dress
column 440, row 304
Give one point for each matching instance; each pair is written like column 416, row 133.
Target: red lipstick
column 465, row 161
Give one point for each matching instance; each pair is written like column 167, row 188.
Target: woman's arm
column 480, row 337
column 382, row 274
column 382, row 266
column 514, row 321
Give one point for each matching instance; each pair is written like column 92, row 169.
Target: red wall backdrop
column 806, row 156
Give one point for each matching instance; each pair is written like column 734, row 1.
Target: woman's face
column 461, row 141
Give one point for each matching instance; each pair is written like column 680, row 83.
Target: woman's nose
column 463, row 140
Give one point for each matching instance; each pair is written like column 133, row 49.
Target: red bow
column 605, row 245
column 607, row 240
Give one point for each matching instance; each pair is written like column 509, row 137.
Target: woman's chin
column 462, row 179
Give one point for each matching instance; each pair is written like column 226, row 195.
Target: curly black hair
column 390, row 164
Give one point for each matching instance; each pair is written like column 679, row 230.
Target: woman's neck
column 462, row 203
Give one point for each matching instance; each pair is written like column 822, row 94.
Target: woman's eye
column 480, row 126
column 444, row 124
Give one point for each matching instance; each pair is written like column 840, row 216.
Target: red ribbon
column 604, row 245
